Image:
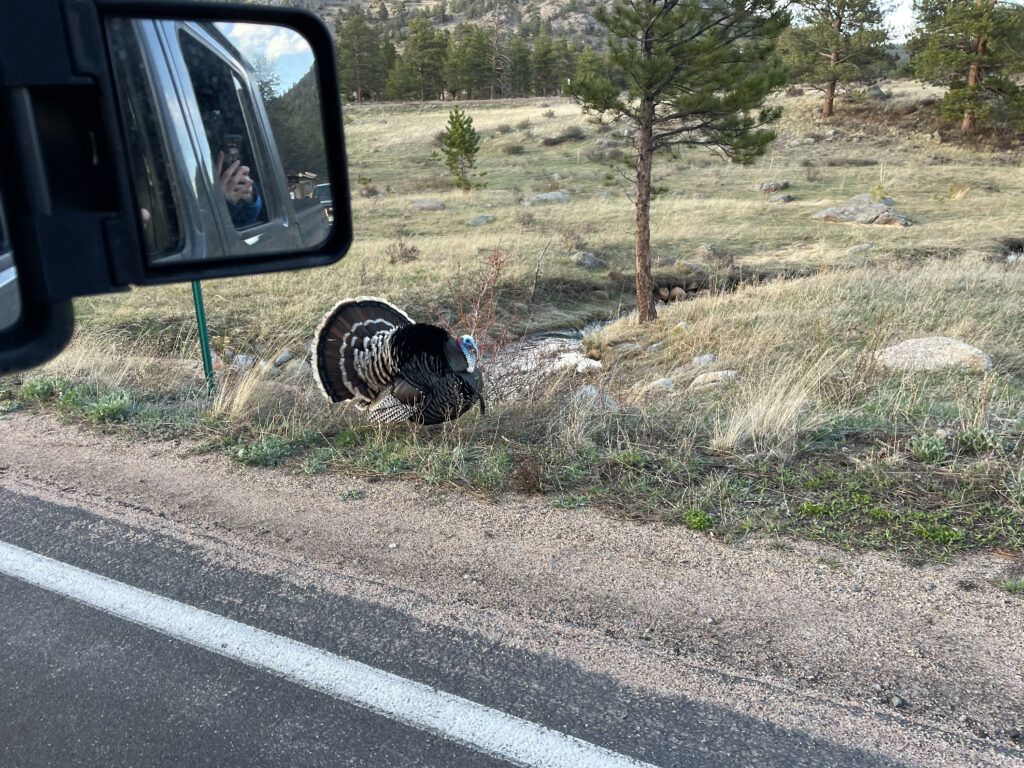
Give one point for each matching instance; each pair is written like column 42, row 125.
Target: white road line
column 415, row 704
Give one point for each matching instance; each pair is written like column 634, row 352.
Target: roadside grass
column 810, row 440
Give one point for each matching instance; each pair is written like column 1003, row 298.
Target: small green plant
column 697, row 520
column 631, row 457
column 112, row 407
column 40, row 389
column 9, row 406
column 929, row 449
column 812, row 509
column 1014, row 586
column 268, row 451
column 77, row 398
column 937, row 533
column 352, row 494
column 975, row 441
column 311, row 465
column 460, row 142
column 878, row 193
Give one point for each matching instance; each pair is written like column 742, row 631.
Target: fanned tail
column 354, row 327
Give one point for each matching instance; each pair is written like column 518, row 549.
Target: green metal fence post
column 204, row 336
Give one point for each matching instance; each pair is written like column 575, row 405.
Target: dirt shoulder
column 924, row 664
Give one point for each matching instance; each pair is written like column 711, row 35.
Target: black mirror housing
column 69, row 179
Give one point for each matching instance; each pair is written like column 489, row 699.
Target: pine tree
column 976, row 49
column 460, row 142
column 425, row 52
column 839, row 42
column 699, row 72
column 359, row 55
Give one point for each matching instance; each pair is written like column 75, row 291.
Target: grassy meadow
column 809, row 440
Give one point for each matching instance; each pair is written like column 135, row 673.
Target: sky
column 902, row 19
column 286, row 50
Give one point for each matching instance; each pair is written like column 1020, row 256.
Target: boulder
column 480, row 221
column 558, row 196
column 867, row 198
column 427, row 205
column 932, row 353
column 283, row 358
column 705, row 359
column 783, row 198
column 874, row 92
column 587, row 260
column 591, row 398
column 713, row 379
column 871, row 213
column 771, row 186
column 860, row 248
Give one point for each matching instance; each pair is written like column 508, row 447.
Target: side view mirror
column 154, row 142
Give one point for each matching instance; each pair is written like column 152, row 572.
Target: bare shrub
column 615, row 155
column 513, row 149
column 504, row 128
column 474, row 302
column 398, row 251
column 552, row 141
column 524, row 125
column 573, row 241
column 525, row 218
column 548, row 113
column 596, row 155
column 573, row 133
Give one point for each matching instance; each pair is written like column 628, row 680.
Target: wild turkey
column 370, row 351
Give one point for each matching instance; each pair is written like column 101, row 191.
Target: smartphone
column 232, row 149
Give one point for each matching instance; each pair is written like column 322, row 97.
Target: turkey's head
column 469, row 349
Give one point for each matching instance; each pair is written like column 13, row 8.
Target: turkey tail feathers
column 350, row 331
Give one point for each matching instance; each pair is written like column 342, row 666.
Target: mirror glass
column 225, row 138
column 10, row 297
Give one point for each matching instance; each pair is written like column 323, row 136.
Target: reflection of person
column 240, row 193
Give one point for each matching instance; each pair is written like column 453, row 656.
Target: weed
column 548, row 113
column 929, row 449
column 975, row 441
column 9, row 406
column 316, row 463
column 1014, row 586
column 352, row 494
column 77, row 398
column 697, row 520
column 399, row 251
column 112, row 407
column 937, row 533
column 570, row 502
column 40, row 389
column 513, row 149
column 267, row 451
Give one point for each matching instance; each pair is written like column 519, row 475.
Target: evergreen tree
column 545, row 66
column 460, row 142
column 468, row 65
column 359, row 55
column 840, row 42
column 699, row 72
column 425, row 51
column 519, row 59
column 976, row 49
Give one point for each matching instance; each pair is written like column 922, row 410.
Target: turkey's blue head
column 469, row 349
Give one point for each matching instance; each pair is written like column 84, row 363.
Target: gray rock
column 860, row 248
column 588, row 260
column 872, row 213
column 664, row 385
column 705, row 359
column 932, row 353
column 558, row 177
column 771, row 186
column 707, row 251
column 603, row 193
column 283, row 358
column 480, row 221
column 868, row 199
column 713, row 379
column 549, row 197
column 654, row 347
column 427, row 205
column 874, row 92
column 592, row 398
column 783, row 198
column 701, row 196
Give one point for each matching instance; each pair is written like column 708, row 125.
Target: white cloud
column 266, row 40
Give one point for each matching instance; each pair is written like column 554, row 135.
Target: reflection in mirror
column 10, row 296
column 226, row 138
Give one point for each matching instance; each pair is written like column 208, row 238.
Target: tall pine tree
column 838, row 42
column 699, row 73
column 976, row 49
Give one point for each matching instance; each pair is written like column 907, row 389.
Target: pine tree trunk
column 979, row 45
column 645, row 153
column 830, row 96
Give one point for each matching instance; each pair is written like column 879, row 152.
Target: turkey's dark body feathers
column 369, row 351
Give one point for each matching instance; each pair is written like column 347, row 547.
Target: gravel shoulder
column 923, row 664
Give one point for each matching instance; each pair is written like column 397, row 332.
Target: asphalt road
column 82, row 687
